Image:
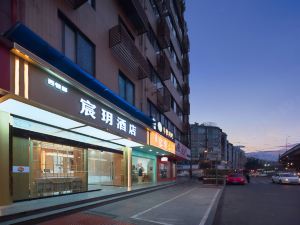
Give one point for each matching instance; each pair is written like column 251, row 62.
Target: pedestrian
column 248, row 178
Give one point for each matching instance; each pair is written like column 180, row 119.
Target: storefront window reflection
column 44, row 169
column 56, row 169
column 142, row 170
column 104, row 168
column 165, row 170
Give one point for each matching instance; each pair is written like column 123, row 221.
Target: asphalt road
column 259, row 203
column 182, row 204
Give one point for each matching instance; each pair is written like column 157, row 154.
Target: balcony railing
column 76, row 3
column 163, row 99
column 124, row 48
column 185, row 44
column 136, row 13
column 163, row 33
column 163, row 66
column 186, row 105
column 186, row 88
column 185, row 64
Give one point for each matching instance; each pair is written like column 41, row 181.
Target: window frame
column 66, row 22
column 127, row 81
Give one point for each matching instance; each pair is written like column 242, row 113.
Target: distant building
column 210, row 148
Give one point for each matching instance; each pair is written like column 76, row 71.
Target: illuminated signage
column 161, row 129
column 89, row 109
column 92, row 111
column 164, row 159
column 161, row 142
column 57, row 85
column 182, row 151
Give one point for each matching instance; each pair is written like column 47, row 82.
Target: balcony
column 185, row 44
column 185, row 64
column 186, row 105
column 185, row 88
column 163, row 66
column 163, row 99
column 76, row 3
column 125, row 50
column 163, row 7
column 163, row 33
column 136, row 14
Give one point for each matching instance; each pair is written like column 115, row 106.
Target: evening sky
column 245, row 69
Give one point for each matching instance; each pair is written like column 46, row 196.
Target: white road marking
column 153, row 221
column 158, row 205
column 204, row 218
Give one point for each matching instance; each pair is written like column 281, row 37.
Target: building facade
column 210, row 148
column 91, row 93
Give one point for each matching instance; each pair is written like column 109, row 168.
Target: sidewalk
column 38, row 206
column 35, row 211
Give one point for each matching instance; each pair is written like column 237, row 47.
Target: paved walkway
column 31, row 205
column 186, row 203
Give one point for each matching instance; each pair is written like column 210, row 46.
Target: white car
column 286, row 178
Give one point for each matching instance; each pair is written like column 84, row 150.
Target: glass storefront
column 44, row 169
column 164, row 170
column 142, row 170
column 104, row 168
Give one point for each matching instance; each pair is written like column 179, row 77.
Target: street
column 183, row 204
column 259, row 203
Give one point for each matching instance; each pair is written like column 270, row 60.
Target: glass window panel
column 122, row 87
column 85, row 54
column 130, row 92
column 142, row 170
column 70, row 43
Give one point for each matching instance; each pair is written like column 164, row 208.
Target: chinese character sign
column 88, row 109
column 107, row 117
column 121, row 124
column 159, row 141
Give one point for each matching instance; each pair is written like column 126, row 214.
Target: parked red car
column 235, row 179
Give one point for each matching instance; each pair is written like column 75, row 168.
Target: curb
column 210, row 214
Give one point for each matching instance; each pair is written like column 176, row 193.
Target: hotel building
column 92, row 93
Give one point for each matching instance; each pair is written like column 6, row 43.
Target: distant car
column 262, row 174
column 286, row 178
column 183, row 174
column 235, row 179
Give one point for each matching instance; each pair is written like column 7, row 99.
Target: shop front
column 165, row 159
column 143, row 168
column 44, row 168
column 61, row 138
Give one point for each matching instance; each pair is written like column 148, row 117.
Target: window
column 126, row 88
column 78, row 48
column 154, row 8
column 152, row 38
column 171, row 26
column 173, row 105
column 175, row 83
column 156, row 81
column 179, row 113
